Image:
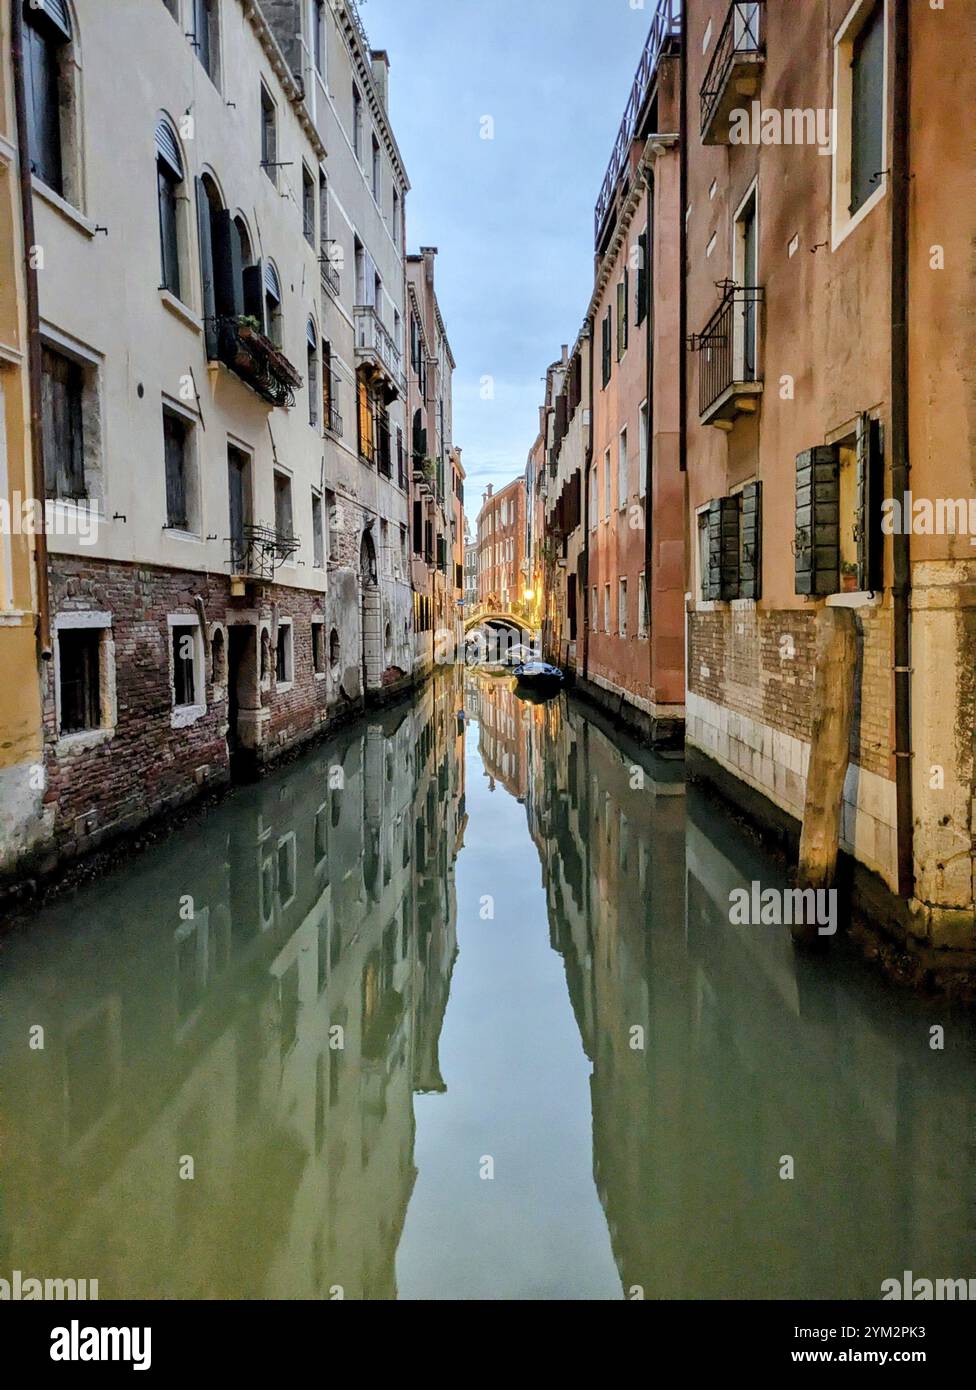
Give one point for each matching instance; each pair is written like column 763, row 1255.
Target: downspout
column 900, row 462
column 587, row 466
column 43, row 625
column 648, row 454
column 683, row 143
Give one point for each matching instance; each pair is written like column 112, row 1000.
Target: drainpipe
column 587, row 465
column 648, row 481
column 683, row 144
column 900, row 463
column 43, row 626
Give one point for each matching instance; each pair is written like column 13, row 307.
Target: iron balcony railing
column 330, row 276
column 335, row 422
column 373, row 340
column 665, row 25
column 258, row 551
column 728, row 343
column 741, row 34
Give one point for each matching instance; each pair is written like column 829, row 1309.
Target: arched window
column 169, row 181
column 272, row 303
column 313, row 373
column 47, row 41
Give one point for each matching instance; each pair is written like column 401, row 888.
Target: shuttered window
column 46, row 30
column 169, row 177
column 623, row 310
column 870, row 495
column 607, row 335
column 62, row 393
column 723, row 548
column 867, row 108
column 750, row 534
column 642, row 278
column 175, row 439
column 817, row 541
column 272, row 304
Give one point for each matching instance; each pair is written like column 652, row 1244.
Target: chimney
column 428, row 253
column 565, row 354
column 380, row 63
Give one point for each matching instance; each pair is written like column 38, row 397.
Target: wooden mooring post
column 830, row 741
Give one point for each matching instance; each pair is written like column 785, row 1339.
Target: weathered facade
column 501, row 543
column 816, row 203
column 433, row 467
column 222, row 403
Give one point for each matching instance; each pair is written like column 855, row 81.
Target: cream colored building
column 221, row 297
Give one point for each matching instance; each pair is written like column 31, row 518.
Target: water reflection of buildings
column 746, row 1051
column 265, row 997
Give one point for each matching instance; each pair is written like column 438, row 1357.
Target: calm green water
column 451, row 1008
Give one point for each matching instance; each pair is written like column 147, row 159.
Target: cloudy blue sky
column 512, row 216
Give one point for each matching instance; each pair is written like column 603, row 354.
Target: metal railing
column 373, row 338
column 334, row 425
column 728, row 343
column 330, row 276
column 741, row 33
column 259, row 551
column 665, row 25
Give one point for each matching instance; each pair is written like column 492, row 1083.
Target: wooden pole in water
column 833, row 718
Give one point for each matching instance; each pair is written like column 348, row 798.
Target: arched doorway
column 371, row 618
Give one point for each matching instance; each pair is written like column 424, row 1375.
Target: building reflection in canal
column 265, row 994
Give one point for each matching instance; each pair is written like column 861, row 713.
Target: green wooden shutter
column 206, row 269
column 252, row 281
column 723, row 548
column 226, row 245
column 817, row 543
column 750, row 576
column 870, row 492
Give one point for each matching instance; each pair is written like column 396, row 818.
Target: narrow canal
column 452, row 1007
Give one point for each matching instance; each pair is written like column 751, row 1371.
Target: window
column 396, row 218
column 642, row 607
column 642, row 444
column 284, row 653
column 332, row 525
column 334, row 651
column 239, row 492
column 272, row 304
column 607, row 335
column 308, row 206
column 643, row 279
column 746, row 273
column 594, row 499
column 62, row 387
column 169, row 182
column 312, row 377
column 357, row 123
column 594, row 611
column 703, row 553
column 376, row 176
column 623, row 311
column 205, row 36
column 82, row 685
column 318, row 646
column 623, row 482
column 365, row 419
column 184, row 642
column 47, row 38
column 860, row 138
column 317, row 18
column 606, row 609
column 318, row 533
column 269, row 136
column 867, row 108
column 607, row 486
column 622, row 607
column 331, row 418
column 284, row 523
column 176, row 450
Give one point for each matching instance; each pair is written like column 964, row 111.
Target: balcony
column 376, row 348
column 665, row 30
column 330, row 275
column 258, row 552
column 729, row 383
column 255, row 359
column 334, row 422
column 735, row 72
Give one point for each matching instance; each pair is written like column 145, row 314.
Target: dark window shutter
column 607, row 335
column 418, row 528
column 206, row 269
column 723, row 548
column 750, row 575
column 226, row 244
column 642, row 280
column 817, row 543
column 252, row 281
column 867, row 108
column 870, row 494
